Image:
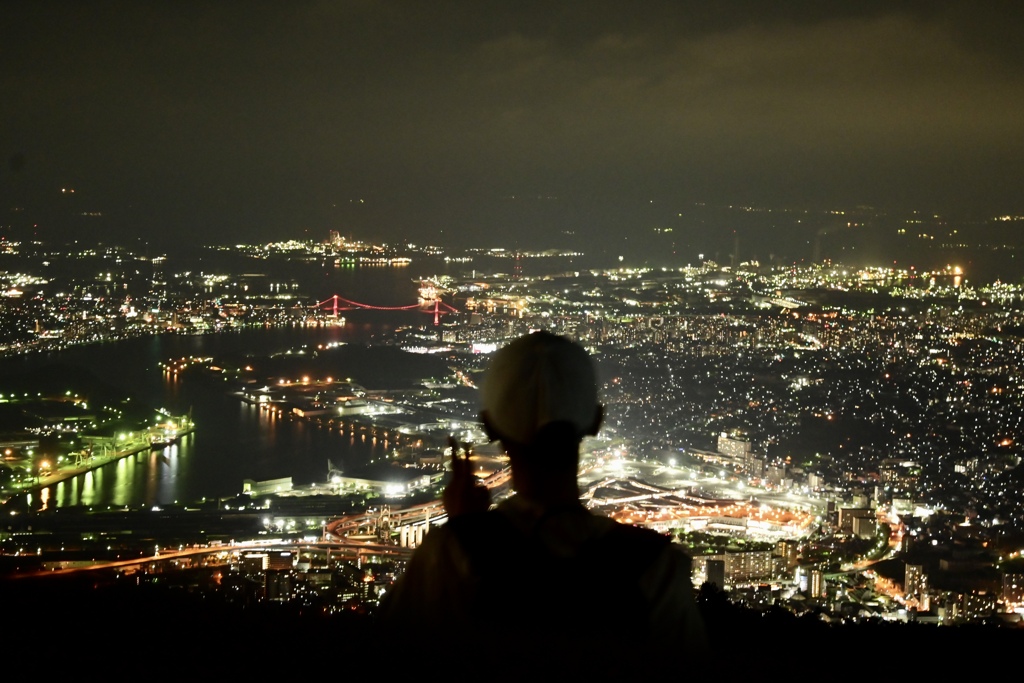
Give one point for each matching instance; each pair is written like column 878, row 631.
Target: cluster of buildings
column 877, row 389
column 862, row 390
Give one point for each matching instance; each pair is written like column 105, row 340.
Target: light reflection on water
column 233, row 440
column 279, row 447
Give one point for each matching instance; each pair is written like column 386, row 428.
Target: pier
column 103, row 451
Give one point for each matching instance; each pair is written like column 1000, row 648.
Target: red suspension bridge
column 339, row 303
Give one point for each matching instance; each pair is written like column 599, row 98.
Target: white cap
column 536, row 380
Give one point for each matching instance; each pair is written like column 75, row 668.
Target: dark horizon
column 468, row 124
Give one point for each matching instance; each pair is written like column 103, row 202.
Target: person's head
column 539, row 397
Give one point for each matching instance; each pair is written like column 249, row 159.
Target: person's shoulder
column 644, row 543
column 482, row 539
column 475, row 522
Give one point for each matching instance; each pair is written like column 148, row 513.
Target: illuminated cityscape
column 255, row 259
column 814, row 433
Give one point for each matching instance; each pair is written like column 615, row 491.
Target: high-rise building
column 788, row 550
column 816, row 584
column 1013, row 587
column 753, row 565
column 914, row 581
column 847, row 515
column 741, row 452
column 733, row 447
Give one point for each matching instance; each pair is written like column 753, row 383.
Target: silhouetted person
column 539, row 577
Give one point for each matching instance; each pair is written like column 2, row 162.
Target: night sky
column 481, row 123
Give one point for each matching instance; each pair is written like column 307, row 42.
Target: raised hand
column 464, row 494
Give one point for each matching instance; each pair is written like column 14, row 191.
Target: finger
column 467, row 453
column 454, row 445
column 460, row 464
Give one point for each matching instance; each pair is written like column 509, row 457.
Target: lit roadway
column 351, row 535
column 336, row 537
column 896, row 529
column 343, row 547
